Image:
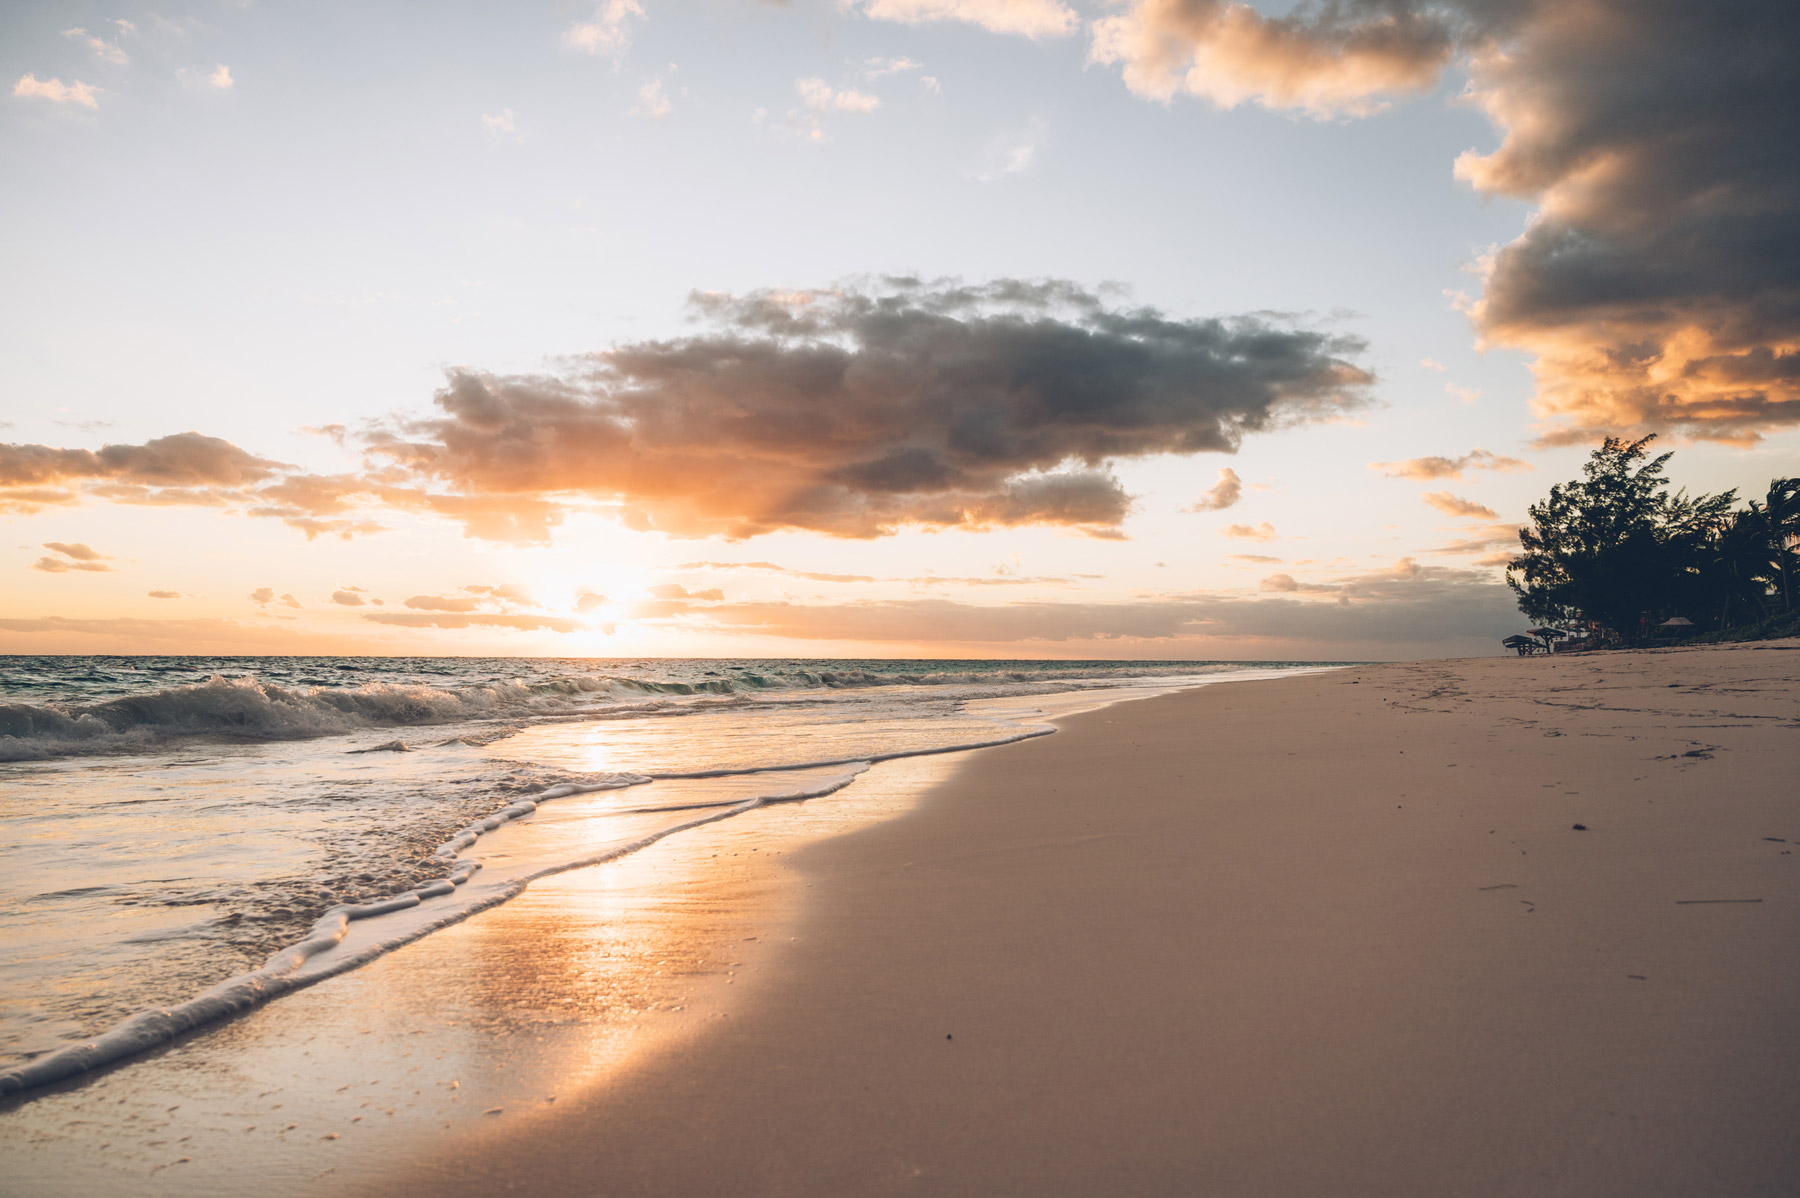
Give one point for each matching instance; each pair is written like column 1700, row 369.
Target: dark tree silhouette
column 1614, row 548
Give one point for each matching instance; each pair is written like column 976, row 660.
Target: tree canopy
column 1618, row 551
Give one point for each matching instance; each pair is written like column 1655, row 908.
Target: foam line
column 297, row 965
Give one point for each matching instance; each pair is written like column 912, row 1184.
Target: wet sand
column 1317, row 936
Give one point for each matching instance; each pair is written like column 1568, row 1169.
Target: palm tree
column 1781, row 515
column 1736, row 569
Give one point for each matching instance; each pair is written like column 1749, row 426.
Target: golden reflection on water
column 464, row 1033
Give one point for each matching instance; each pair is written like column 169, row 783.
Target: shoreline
column 1290, row 985
column 1348, row 970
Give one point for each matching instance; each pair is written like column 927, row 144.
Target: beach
column 1317, row 936
column 1328, row 934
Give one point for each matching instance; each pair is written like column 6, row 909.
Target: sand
column 1328, row 935
column 1333, row 934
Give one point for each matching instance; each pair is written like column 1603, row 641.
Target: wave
column 245, row 708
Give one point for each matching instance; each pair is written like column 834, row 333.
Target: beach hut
column 1525, row 646
column 1549, row 636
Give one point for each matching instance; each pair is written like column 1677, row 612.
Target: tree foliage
column 1616, row 550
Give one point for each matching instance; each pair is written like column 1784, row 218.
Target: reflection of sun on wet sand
column 1320, row 935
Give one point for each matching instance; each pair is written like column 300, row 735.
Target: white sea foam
column 266, row 829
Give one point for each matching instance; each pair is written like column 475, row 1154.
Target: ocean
column 190, row 836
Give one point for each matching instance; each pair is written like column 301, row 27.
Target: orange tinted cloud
column 1453, row 505
column 1429, row 468
column 855, row 413
column 1341, row 58
column 851, row 412
column 1226, row 492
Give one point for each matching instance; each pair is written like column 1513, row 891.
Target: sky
column 898, row 328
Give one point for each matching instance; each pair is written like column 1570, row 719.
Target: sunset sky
column 1006, row 328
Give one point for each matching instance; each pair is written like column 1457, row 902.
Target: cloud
column 1430, row 364
column 75, row 556
column 523, row 623
column 449, row 603
column 1427, row 469
column 609, row 32
column 1654, row 286
column 810, row 575
column 1248, row 532
column 263, row 596
column 1452, row 505
column 590, row 601
column 167, row 595
column 500, row 125
column 1338, row 58
column 348, row 598
column 76, row 550
column 929, row 84
column 876, row 68
column 1400, row 610
column 1027, row 18
column 181, row 460
column 854, row 412
column 674, row 590
column 1225, row 493
column 1013, row 152
column 652, row 103
column 821, row 97
column 1261, row 558
column 105, row 51
column 1485, row 541
column 221, row 78
column 474, row 598
column 56, row 91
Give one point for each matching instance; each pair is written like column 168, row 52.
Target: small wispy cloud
column 821, row 97
column 1455, row 505
column 263, row 596
column 1435, row 467
column 875, row 68
column 500, row 124
column 1433, row 364
column 56, row 91
column 74, row 556
column 1226, row 492
column 1250, row 532
column 608, row 34
column 653, row 102
column 1013, row 151
column 1028, row 18
column 1466, row 394
column 221, row 77
column 104, row 50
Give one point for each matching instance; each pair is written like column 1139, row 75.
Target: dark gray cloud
column 855, row 411
column 1659, row 284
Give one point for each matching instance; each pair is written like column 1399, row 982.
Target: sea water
column 187, row 837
